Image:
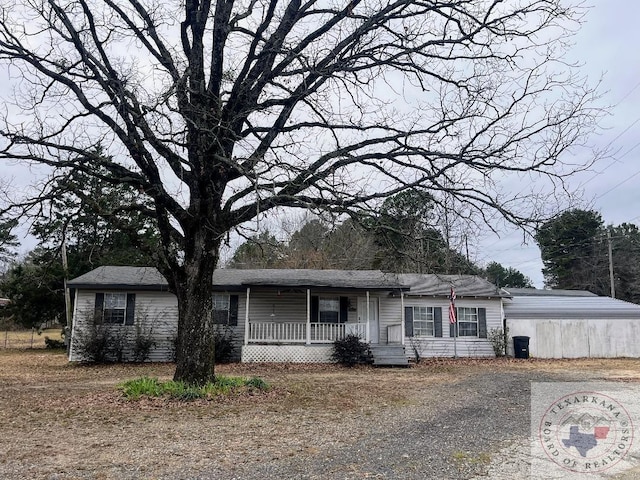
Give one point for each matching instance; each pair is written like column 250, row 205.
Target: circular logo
column 586, row 432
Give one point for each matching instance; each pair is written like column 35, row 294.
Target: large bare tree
column 217, row 112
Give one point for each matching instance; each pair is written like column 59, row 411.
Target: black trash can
column 521, row 347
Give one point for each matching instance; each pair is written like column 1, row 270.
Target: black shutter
column 131, row 309
column 233, row 310
column 97, row 318
column 408, row 321
column 452, row 327
column 315, row 308
column 437, row 321
column 482, row 323
column 344, row 309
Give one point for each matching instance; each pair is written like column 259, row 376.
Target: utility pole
column 611, row 279
column 67, row 298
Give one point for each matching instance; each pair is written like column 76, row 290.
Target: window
column 467, row 322
column 225, row 309
column 115, row 308
column 423, row 321
column 329, row 308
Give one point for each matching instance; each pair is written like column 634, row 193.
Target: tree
column 569, row 250
column 260, row 251
column 241, row 108
column 506, row 277
column 7, row 239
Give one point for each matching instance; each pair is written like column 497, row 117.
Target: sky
column 607, row 45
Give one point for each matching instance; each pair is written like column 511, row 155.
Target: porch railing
column 296, row 332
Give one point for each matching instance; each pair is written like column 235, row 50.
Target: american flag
column 452, row 306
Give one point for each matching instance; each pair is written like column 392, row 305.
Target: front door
column 374, row 327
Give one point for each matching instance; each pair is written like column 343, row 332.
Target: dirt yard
column 67, row 421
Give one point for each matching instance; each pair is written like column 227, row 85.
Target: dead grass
column 20, row 339
column 57, row 417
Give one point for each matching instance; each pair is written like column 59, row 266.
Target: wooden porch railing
column 294, row 332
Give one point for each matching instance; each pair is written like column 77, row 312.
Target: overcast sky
column 607, row 45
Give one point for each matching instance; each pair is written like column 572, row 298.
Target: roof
column 518, row 292
column 569, row 307
column 440, row 285
column 148, row 278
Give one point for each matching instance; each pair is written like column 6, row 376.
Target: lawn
column 27, row 338
column 68, row 421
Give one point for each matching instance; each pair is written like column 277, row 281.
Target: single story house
column 573, row 324
column 293, row 315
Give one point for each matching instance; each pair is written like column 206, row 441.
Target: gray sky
column 607, row 45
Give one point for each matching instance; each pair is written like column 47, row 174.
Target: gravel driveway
column 455, row 438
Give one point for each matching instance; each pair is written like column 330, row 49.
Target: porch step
column 389, row 355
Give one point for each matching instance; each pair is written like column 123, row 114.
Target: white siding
column 390, row 314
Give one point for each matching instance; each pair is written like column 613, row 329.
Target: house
column 573, row 324
column 294, row 315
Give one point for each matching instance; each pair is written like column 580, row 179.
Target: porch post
column 246, row 318
column 402, row 314
column 308, row 316
column 368, row 336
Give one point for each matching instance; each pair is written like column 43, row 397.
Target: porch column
column 368, row 336
column 402, row 314
column 308, row 316
column 246, row 318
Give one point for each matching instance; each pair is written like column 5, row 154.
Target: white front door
column 374, row 327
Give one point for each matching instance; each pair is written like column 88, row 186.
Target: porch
column 271, row 332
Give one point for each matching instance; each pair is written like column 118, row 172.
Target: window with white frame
column 329, row 308
column 467, row 321
column 114, row 308
column 423, row 321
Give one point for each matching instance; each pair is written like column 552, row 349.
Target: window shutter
column 482, row 323
column 408, row 321
column 315, row 308
column 97, row 318
column 344, row 309
column 437, row 322
column 233, row 310
column 131, row 309
column 452, row 328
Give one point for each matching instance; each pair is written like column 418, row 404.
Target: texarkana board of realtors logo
column 582, row 430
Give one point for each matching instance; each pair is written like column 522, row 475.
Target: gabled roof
column 148, row 278
column 437, row 285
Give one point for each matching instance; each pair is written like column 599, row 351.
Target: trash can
column 521, row 347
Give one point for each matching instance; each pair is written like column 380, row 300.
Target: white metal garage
column 573, row 324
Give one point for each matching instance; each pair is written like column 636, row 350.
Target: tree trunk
column 195, row 359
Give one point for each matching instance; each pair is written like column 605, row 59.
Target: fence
column 22, row 339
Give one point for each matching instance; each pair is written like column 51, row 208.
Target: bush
column 142, row 347
column 499, row 341
column 224, row 347
column 351, row 351
column 98, row 344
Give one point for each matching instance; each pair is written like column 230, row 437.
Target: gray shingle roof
column 519, row 292
column 440, row 285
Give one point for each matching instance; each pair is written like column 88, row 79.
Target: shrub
column 99, row 344
column 224, row 347
column 351, row 351
column 499, row 341
column 142, row 347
